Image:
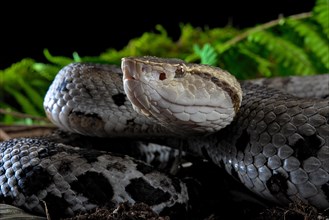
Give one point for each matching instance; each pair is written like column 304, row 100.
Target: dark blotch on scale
column 144, row 168
column 28, row 182
column 130, row 122
column 56, row 206
column 86, row 121
column 85, row 115
column 64, row 167
column 325, row 189
column 95, row 187
column 243, row 141
column 277, row 183
column 306, row 147
column 119, row 99
column 178, row 211
column 90, row 155
column 141, row 191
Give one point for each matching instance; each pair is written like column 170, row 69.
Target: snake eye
column 162, row 76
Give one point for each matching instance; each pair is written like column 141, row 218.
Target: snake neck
column 276, row 146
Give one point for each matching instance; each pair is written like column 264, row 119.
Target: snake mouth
column 128, row 66
column 133, row 88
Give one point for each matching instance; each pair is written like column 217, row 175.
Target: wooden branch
column 22, row 115
column 4, row 136
column 16, row 131
column 262, row 27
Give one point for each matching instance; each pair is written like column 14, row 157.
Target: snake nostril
column 162, row 76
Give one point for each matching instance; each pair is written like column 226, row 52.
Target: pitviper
column 275, row 141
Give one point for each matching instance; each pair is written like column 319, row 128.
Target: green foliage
column 25, row 85
column 313, row 41
column 321, row 15
column 294, row 45
column 156, row 44
column 207, row 54
column 285, row 54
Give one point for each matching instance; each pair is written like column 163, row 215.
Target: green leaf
column 59, row 60
column 48, row 71
column 23, row 101
column 263, row 65
column 312, row 40
column 76, row 57
column 285, row 53
column 321, row 15
column 32, row 95
column 207, row 54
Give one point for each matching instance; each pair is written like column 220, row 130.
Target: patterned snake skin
column 281, row 149
column 277, row 146
column 71, row 180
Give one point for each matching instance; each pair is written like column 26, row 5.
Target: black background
column 92, row 27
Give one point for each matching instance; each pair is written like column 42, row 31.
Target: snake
column 271, row 135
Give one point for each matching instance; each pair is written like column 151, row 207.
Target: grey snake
column 272, row 135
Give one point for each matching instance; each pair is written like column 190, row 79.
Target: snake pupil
column 162, row 76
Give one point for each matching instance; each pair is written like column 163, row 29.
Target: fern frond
column 47, row 71
column 21, row 68
column 21, row 87
column 31, row 94
column 262, row 64
column 23, row 101
column 321, row 15
column 207, row 54
column 190, row 35
column 312, row 40
column 221, row 48
column 284, row 52
column 59, row 60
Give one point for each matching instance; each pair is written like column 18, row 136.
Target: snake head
column 189, row 98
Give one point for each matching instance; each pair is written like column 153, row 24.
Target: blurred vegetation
column 294, row 45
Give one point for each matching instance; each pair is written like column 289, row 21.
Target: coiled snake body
column 275, row 143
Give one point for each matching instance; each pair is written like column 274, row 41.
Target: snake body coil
column 277, row 144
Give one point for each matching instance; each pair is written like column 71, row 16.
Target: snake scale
column 273, row 136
